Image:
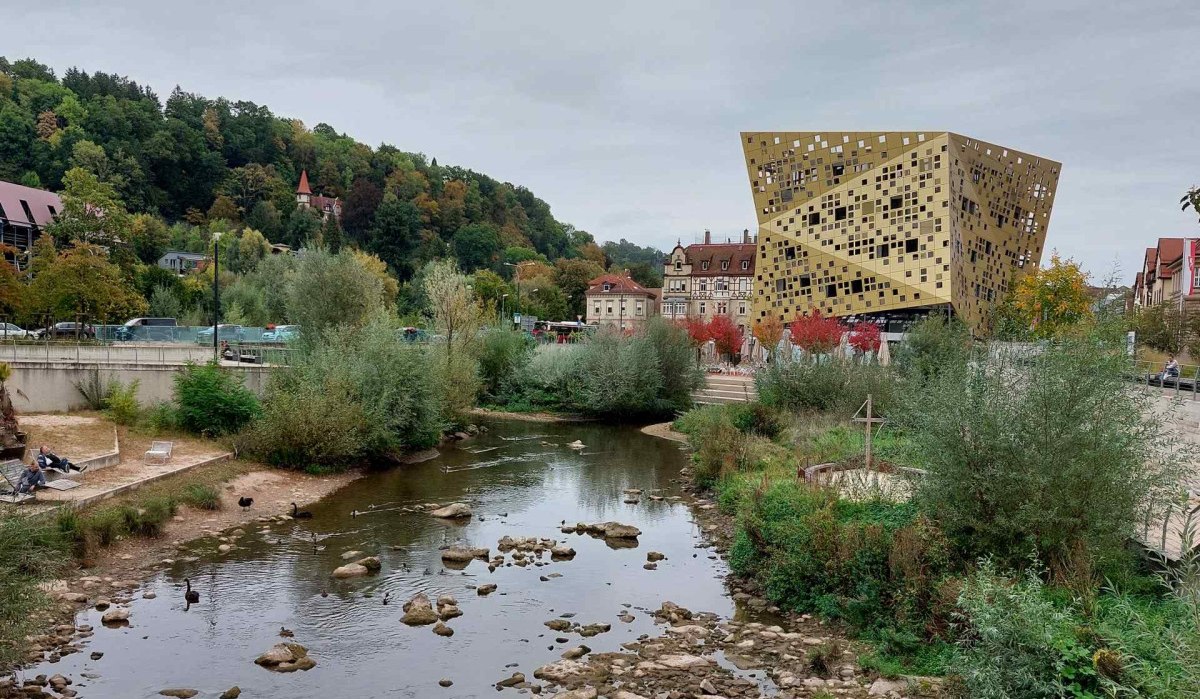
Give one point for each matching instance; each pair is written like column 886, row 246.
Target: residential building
column 1168, row 274
column 618, row 301
column 181, row 262
column 24, row 214
column 888, row 226
column 326, row 205
column 710, row 279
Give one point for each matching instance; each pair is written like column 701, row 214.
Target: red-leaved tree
column 816, row 334
column 865, row 337
column 725, row 334
column 769, row 331
column 696, row 328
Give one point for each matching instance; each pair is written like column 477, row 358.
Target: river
column 520, row 478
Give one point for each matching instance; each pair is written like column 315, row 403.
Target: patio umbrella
column 884, row 355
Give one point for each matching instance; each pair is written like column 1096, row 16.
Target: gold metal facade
column 863, row 222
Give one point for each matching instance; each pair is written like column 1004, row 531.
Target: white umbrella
column 884, row 355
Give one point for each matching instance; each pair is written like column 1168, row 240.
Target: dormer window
column 607, row 286
column 704, row 265
column 724, row 264
column 745, row 264
column 678, row 265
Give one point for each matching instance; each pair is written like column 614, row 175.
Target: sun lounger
column 11, row 472
column 159, row 453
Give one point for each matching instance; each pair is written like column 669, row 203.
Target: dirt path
column 666, row 431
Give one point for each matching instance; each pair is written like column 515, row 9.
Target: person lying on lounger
column 46, row 459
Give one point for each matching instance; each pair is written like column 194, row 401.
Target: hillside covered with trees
column 168, row 175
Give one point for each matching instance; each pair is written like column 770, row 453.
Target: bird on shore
column 245, row 502
column 297, row 513
column 190, row 596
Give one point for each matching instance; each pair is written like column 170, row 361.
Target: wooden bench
column 11, row 472
column 158, row 453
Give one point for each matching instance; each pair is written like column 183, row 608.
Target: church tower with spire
column 303, row 192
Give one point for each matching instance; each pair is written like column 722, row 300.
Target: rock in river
column 486, row 589
column 460, row 554
column 443, row 630
column 453, row 511
column 562, row 552
column 181, row 693
column 115, row 616
column 286, row 657
column 418, row 611
column 350, row 570
column 616, row 530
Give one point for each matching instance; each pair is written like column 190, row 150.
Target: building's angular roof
column 731, row 254
column 303, row 188
column 43, row 205
column 617, row 284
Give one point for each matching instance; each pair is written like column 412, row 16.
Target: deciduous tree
column 816, row 334
column 725, row 335
column 82, row 281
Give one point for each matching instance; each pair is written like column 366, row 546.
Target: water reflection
column 521, row 479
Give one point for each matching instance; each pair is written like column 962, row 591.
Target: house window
column 610, row 308
column 607, row 286
column 596, row 310
column 724, row 264
column 741, row 309
column 703, row 285
column 745, row 264
column 722, row 284
column 638, row 309
column 704, row 265
column 701, row 308
column 678, row 265
column 722, row 308
column 622, row 306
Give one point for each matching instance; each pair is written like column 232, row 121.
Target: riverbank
column 113, row 574
column 549, row 418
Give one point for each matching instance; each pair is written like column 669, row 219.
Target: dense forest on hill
column 193, row 165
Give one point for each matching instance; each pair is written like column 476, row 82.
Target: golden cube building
column 893, row 223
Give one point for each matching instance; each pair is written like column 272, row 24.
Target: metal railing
column 1186, row 384
column 94, row 352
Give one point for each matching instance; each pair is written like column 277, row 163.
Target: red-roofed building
column 617, row 300
column 24, row 214
column 710, row 279
column 1168, row 274
column 326, row 205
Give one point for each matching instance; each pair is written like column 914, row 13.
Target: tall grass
column 31, row 551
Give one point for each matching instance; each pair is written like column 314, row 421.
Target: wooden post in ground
column 869, row 422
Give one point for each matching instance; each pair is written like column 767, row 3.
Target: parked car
column 281, row 333
column 225, row 332
column 147, row 329
column 67, row 331
column 412, row 335
column 8, row 331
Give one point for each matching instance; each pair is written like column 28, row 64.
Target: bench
column 158, row 453
column 11, row 472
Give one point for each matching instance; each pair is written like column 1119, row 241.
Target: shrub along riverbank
column 1009, row 569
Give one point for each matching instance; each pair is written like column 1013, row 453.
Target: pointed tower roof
column 303, row 188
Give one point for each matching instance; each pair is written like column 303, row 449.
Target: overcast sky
column 624, row 116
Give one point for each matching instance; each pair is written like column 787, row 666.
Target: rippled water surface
column 520, row 478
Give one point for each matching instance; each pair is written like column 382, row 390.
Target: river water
column 520, row 478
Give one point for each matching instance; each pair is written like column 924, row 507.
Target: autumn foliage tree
column 815, row 333
column 697, row 330
column 865, row 337
column 769, row 331
column 727, row 337
column 1045, row 302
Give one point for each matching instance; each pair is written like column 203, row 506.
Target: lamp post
column 502, row 309
column 216, row 295
column 517, row 284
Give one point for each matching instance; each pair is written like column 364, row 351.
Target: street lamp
column 517, row 266
column 216, row 236
column 502, row 312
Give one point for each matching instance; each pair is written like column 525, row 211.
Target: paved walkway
column 80, row 437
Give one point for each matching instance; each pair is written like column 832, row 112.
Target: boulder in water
column 453, row 511
column 350, row 570
column 418, row 611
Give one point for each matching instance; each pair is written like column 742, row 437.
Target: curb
column 128, row 487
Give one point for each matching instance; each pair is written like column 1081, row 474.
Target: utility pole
column 216, row 297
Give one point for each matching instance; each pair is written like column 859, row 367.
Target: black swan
column 190, row 596
column 245, row 502
column 387, row 596
column 300, row 514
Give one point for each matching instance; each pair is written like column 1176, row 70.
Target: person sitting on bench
column 31, row 479
column 47, row 459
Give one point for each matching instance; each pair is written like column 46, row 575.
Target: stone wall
column 41, row 386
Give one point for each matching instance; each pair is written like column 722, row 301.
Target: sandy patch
column 76, row 437
column 527, row 417
column 666, row 431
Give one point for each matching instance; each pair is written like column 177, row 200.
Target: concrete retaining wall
column 44, row 387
